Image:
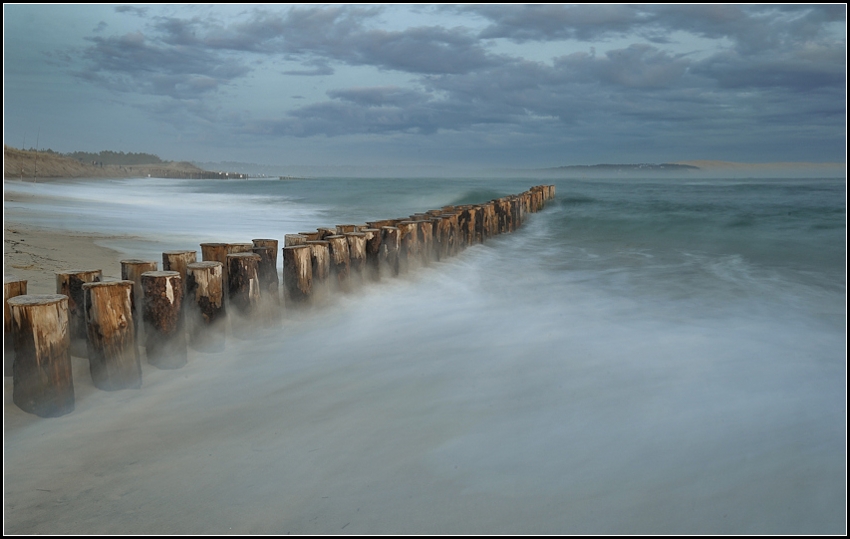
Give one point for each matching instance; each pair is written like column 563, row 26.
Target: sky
column 475, row 85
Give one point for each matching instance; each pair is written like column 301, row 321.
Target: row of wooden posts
column 185, row 304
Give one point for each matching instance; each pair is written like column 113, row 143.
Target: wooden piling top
column 125, row 282
column 36, row 299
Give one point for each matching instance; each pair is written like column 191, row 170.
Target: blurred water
column 641, row 357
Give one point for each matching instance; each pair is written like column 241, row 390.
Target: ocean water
column 643, row 356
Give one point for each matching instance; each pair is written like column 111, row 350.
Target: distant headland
column 33, row 164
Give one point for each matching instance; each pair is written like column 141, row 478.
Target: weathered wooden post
column 320, row 257
column 267, row 269
column 162, row 314
column 12, row 287
column 390, row 248
column 325, row 232
column 70, row 283
column 373, row 253
column 340, row 259
column 442, row 231
column 452, row 232
column 341, row 230
column 243, row 282
column 490, row 225
column 356, row 251
column 293, row 239
column 41, row 375
column 297, row 273
column 426, row 239
column 113, row 354
column 409, row 253
column 466, row 224
column 177, row 261
column 204, row 309
column 233, row 248
column 311, row 236
column 132, row 270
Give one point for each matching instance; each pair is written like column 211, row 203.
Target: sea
column 644, row 355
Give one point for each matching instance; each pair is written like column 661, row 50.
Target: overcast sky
column 491, row 85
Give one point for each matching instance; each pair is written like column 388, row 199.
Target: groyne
column 188, row 304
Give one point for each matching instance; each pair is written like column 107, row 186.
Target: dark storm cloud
column 132, row 63
column 366, row 111
column 745, row 24
column 769, row 66
column 183, row 58
column 803, row 70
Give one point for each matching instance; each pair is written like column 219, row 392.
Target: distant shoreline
column 31, row 165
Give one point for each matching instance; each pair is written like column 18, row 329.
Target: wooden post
column 297, row 273
column 442, row 231
column 205, row 306
column 390, row 248
column 162, row 314
column 70, row 283
column 233, row 248
column 340, row 259
column 243, row 282
column 452, row 231
column 344, row 229
column 373, row 253
column 311, row 236
column 113, row 354
column 356, row 251
column 380, row 224
column 293, row 239
column 177, row 261
column 320, row 257
column 325, row 232
column 132, row 270
column 426, row 239
column 267, row 270
column 469, row 229
column 409, row 253
column 12, row 287
column 42, row 383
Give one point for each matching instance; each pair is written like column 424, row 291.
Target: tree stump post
column 266, row 249
column 373, row 253
column 426, row 239
column 243, row 282
column 205, row 315
column 325, row 232
column 12, row 288
column 356, row 251
column 177, row 261
column 341, row 230
column 70, row 283
column 113, row 354
column 390, row 248
column 320, row 257
column 311, row 236
column 162, row 314
column 293, row 239
column 409, row 253
column 297, row 273
column 42, row 383
column 132, row 270
column 452, row 231
column 340, row 259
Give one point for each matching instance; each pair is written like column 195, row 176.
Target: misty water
column 643, row 356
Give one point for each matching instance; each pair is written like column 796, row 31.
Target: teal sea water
column 643, row 356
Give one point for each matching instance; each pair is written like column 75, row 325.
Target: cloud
column 132, row 63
